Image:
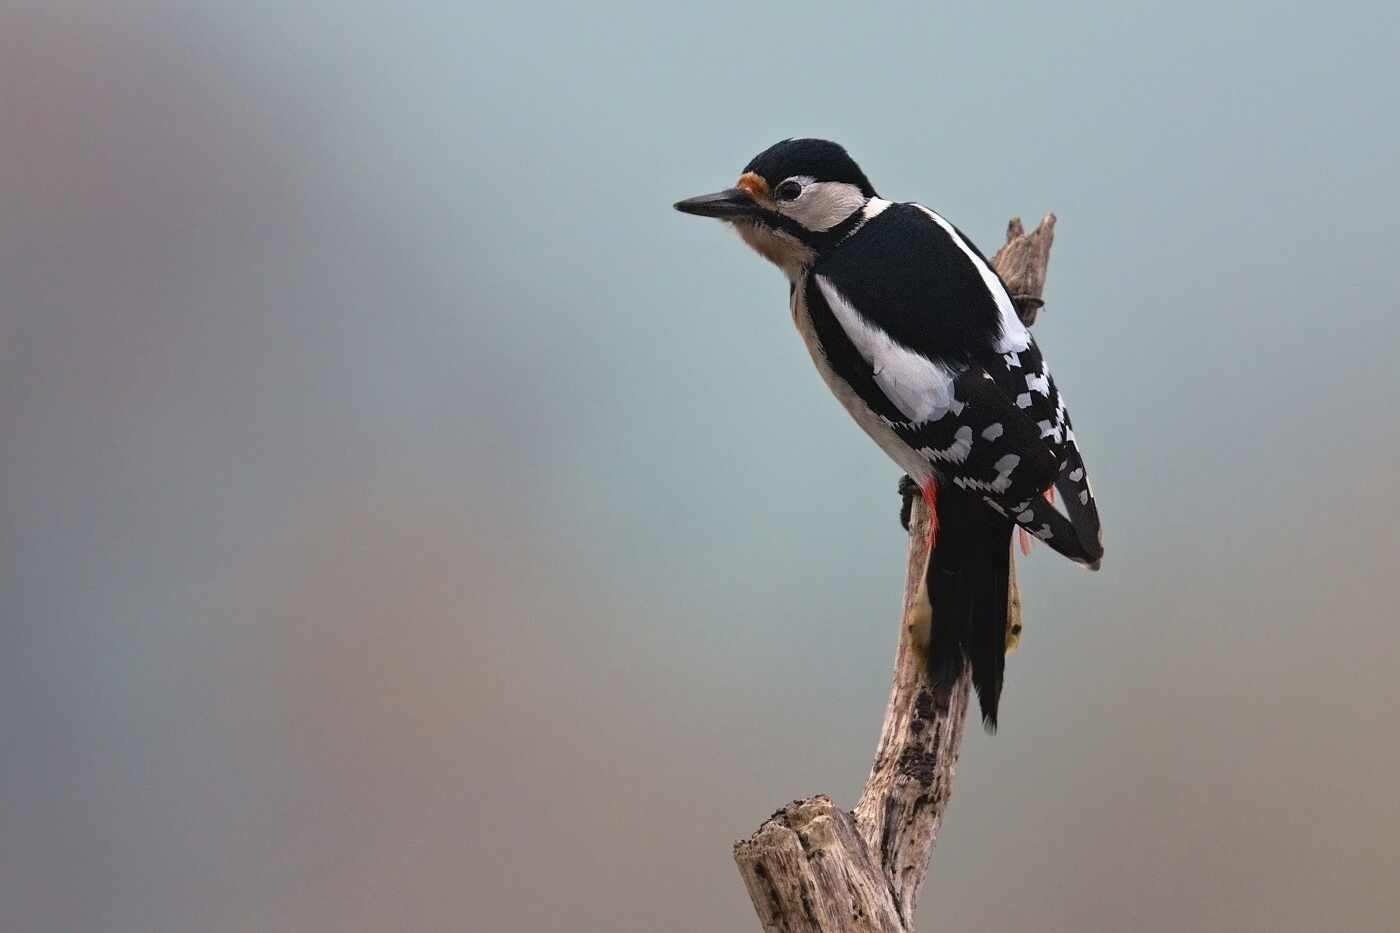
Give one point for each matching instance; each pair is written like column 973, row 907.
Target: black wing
column 1006, row 435
column 1025, row 380
column 934, row 300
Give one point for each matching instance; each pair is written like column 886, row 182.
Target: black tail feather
column 967, row 581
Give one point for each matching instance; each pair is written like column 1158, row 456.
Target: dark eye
column 788, row 190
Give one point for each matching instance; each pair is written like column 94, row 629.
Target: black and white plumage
column 917, row 337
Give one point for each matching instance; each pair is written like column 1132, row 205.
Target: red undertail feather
column 930, row 491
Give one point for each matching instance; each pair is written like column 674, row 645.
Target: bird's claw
column 908, row 490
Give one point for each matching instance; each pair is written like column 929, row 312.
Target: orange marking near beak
column 754, row 185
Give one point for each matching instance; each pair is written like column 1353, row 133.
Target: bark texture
column 814, row 868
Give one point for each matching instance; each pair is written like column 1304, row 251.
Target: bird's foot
column 908, row 491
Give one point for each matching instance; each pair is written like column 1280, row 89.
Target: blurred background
column 408, row 522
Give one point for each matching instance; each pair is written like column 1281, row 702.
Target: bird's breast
column 780, row 248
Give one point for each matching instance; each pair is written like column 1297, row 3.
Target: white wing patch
column 919, row 387
column 1015, row 337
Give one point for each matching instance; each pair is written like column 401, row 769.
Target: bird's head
column 790, row 200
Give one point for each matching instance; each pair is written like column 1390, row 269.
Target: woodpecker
column 917, row 337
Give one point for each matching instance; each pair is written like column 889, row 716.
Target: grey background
column 409, row 522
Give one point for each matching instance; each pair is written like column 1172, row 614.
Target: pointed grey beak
column 732, row 202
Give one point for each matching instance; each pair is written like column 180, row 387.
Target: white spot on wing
column 955, row 452
column 999, row 484
column 993, row 431
column 919, row 387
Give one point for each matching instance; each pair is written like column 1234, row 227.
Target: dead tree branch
column 814, row 868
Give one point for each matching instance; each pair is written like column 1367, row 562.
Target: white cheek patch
column 823, row 204
column 919, row 387
column 1014, row 335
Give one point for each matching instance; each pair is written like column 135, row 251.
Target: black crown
column 822, row 159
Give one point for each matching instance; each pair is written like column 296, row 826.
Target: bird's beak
column 730, row 203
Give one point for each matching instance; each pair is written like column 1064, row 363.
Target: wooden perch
column 814, row 868
column 1022, row 262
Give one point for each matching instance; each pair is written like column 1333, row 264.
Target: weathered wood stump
column 814, row 868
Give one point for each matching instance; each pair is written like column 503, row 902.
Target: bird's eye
column 788, row 190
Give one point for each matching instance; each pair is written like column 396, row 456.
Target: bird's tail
column 967, row 583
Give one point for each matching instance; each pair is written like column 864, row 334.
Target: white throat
column 780, row 248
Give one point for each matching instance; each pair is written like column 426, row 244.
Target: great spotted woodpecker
column 917, row 337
